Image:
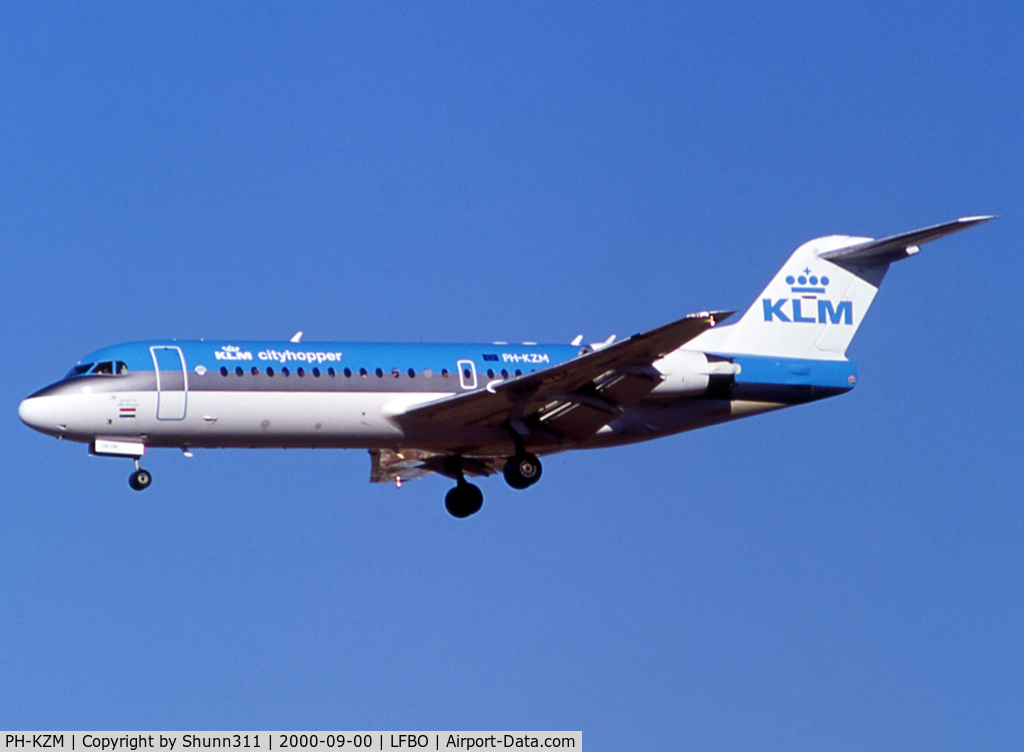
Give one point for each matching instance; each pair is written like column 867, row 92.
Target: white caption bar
column 299, row 741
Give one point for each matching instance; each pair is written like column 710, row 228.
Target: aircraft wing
column 570, row 401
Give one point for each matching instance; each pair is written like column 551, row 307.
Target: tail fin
column 813, row 306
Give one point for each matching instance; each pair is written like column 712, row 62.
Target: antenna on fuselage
column 296, row 338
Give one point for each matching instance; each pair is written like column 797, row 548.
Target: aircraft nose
column 40, row 413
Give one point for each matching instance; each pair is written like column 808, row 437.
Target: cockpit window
column 109, row 368
column 106, row 368
column 78, row 370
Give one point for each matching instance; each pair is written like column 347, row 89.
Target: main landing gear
column 463, row 500
column 521, row 471
column 140, row 479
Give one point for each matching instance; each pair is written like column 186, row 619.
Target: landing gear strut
column 140, row 479
column 522, row 469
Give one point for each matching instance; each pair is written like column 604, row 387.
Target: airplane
column 478, row 409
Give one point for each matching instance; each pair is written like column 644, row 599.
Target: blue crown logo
column 807, row 282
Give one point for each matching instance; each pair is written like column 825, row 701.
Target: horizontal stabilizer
column 887, row 250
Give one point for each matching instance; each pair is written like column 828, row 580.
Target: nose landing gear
column 140, row 479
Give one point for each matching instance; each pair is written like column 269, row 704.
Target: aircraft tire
column 463, row 500
column 522, row 471
column 140, row 480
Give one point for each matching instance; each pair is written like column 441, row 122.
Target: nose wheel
column 140, row 479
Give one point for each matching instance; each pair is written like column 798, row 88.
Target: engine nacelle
column 687, row 372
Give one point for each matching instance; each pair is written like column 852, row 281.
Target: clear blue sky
column 844, row 575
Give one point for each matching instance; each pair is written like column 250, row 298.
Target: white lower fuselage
column 344, row 420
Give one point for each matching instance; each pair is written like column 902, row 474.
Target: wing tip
column 712, row 317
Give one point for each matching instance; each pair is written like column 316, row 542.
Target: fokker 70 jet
column 476, row 409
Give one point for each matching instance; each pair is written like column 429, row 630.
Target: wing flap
column 398, row 465
column 583, row 412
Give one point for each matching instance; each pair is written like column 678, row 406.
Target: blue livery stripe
column 830, row 374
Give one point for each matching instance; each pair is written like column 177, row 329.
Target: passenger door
column 171, row 382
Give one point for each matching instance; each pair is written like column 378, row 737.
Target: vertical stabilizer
column 816, row 302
